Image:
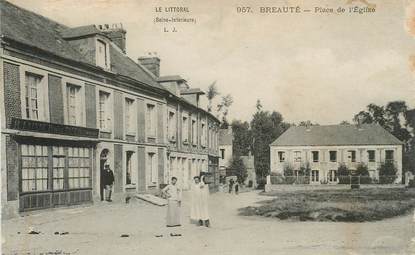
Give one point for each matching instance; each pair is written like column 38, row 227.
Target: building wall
column 324, row 164
column 115, row 137
column 224, row 162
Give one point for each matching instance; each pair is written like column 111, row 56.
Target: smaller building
column 225, row 150
column 324, row 148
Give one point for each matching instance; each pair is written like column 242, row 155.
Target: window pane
column 25, row 150
column 31, row 173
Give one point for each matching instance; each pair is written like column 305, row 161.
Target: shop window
column 58, row 158
column 78, row 168
column 34, row 168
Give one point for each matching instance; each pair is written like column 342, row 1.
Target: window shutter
column 141, row 108
column 160, row 124
column 118, row 116
column 90, row 106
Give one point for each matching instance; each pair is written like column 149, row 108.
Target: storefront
column 53, row 169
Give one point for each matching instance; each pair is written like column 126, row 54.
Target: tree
column 211, row 93
column 395, row 110
column 238, row 168
column 242, row 138
column 363, row 117
column 258, row 105
column 223, row 108
column 388, row 117
column 266, row 127
column 378, row 114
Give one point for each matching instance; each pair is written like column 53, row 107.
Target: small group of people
column 233, row 186
column 199, row 212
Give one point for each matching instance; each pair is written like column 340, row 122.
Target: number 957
column 243, row 9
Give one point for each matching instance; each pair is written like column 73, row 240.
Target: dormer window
column 102, row 54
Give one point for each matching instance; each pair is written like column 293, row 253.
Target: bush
column 363, row 172
column 288, row 170
column 305, row 170
column 387, row 173
column 343, row 173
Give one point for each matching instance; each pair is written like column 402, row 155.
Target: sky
column 307, row 66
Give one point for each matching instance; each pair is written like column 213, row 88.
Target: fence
column 349, row 179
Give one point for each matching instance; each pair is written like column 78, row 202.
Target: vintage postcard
column 207, row 127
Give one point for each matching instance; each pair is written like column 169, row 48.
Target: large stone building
column 324, row 148
column 72, row 100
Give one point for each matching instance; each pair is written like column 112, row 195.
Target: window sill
column 105, row 131
column 130, row 134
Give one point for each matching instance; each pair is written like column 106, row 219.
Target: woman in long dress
column 174, row 197
column 195, row 192
column 199, row 202
column 204, row 197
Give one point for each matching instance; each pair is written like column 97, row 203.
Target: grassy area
column 336, row 205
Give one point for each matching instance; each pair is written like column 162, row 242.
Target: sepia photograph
column 207, row 127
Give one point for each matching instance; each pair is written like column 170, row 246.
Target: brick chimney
column 116, row 33
column 152, row 63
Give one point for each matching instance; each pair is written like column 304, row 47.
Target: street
column 98, row 229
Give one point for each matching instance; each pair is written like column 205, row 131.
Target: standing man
column 108, row 181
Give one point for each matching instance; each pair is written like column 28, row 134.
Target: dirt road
column 98, row 229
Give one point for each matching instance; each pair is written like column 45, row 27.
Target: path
column 97, row 230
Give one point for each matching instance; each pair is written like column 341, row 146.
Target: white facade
column 225, row 155
column 330, row 157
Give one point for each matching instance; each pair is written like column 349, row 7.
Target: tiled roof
column 35, row 30
column 225, row 136
column 32, row 29
column 367, row 134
